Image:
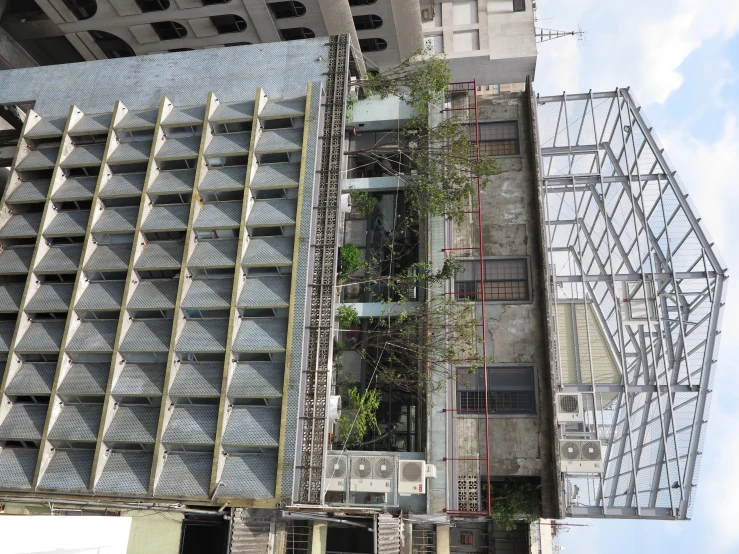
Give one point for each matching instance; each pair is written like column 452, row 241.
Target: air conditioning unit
column 336, row 473
column 372, row 474
column 580, row 456
column 411, row 477
column 569, row 407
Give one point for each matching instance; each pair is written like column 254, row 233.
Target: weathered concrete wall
column 519, row 445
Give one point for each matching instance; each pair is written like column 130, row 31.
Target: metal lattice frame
column 313, row 427
column 626, row 248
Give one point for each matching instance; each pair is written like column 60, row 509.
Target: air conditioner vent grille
column 590, row 450
column 569, row 403
column 412, row 472
column 384, row 468
column 335, row 467
column 362, row 468
column 570, row 450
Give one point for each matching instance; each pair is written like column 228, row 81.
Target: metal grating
column 85, row 379
column 276, row 212
column 269, row 251
column 208, row 294
column 185, row 474
column 125, row 184
column 21, row 225
column 17, row 466
column 77, row 422
column 257, row 379
column 160, row 255
column 248, row 476
column 130, row 152
column 68, row 470
column 214, row 253
column 150, row 294
column 253, row 426
column 136, row 424
column 167, row 218
column 29, row 191
column 109, row 257
column 265, row 292
column 50, row 298
column 276, row 176
column 126, row 473
column 192, row 425
column 221, row 179
column 60, row 259
column 93, row 336
column 42, row 336
column 117, row 220
column 69, row 222
column 103, row 295
column 197, row 379
column 180, row 181
column 218, row 215
column 313, row 419
column 15, row 259
column 267, row 334
column 281, row 140
column 24, row 422
column 75, row 188
column 33, row 378
column 147, row 335
column 10, row 297
column 143, row 379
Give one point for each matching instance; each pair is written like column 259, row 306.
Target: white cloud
column 630, row 42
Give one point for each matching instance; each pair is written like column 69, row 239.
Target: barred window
column 505, row 279
column 510, row 391
column 497, row 138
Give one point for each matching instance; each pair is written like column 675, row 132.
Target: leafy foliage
column 514, row 501
column 358, row 416
column 350, row 258
column 363, row 201
column 348, row 316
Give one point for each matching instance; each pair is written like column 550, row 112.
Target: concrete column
column 318, row 541
column 442, row 539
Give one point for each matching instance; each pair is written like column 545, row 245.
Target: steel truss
column 625, row 243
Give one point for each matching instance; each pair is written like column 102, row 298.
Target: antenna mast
column 544, row 35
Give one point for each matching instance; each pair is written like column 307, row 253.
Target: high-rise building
column 493, row 41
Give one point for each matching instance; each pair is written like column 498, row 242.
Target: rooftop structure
column 636, row 294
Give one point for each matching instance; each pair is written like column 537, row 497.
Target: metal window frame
column 484, row 280
column 166, row 27
column 491, row 390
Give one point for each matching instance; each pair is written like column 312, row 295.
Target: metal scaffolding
column 637, row 292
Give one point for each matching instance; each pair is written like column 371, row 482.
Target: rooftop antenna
column 544, row 35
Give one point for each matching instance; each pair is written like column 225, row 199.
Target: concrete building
column 488, row 40
column 493, row 41
column 158, row 244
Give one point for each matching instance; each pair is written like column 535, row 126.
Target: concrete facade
column 485, row 40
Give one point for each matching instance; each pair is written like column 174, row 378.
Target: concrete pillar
column 442, row 539
column 318, row 541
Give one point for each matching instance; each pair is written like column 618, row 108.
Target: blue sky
column 681, row 59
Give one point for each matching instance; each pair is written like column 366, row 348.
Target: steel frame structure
column 461, row 105
column 621, row 232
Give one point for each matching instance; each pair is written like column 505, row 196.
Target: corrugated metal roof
column 50, row 298
column 147, row 335
column 21, row 225
column 203, row 335
column 139, row 119
column 280, row 140
column 214, row 253
column 47, row 126
column 261, row 334
column 60, row 259
column 289, row 107
column 257, row 379
column 29, row 191
column 197, row 379
column 185, row 474
column 10, row 297
column 135, row 379
column 266, row 292
column 24, row 422
column 85, row 379
column 32, row 378
column 15, row 259
column 42, row 336
column 269, row 251
column 102, row 295
column 131, row 152
column 88, row 154
column 276, row 176
column 76, row 188
column 218, row 215
column 44, row 158
column 110, row 257
column 175, row 148
column 230, row 144
column 154, row 294
column 124, row 184
column 223, row 178
column 117, row 220
column 207, row 293
column 192, row 425
column 273, row 212
column 133, row 424
column 235, row 111
column 68, row 470
column 94, row 336
column 126, row 473
column 6, row 334
column 161, row 255
column 253, row 426
column 91, row 123
column 167, row 218
column 68, row 222
column 17, row 466
column 185, row 116
column 77, row 422
column 179, row 181
column 248, row 476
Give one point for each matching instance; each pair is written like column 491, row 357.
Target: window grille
column 505, row 280
column 510, row 391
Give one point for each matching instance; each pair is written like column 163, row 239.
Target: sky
column 681, row 60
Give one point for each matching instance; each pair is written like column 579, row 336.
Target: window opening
column 152, row 5
column 228, row 23
column 284, row 10
column 510, row 391
column 367, row 22
column 499, row 138
column 169, row 30
column 297, row 33
column 372, row 44
column 505, row 279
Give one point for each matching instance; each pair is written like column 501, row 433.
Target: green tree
column 359, row 415
column 514, row 501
